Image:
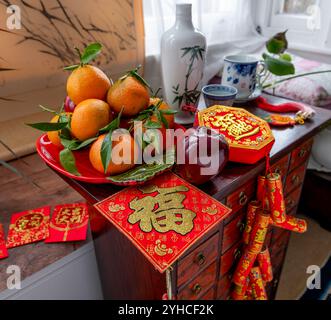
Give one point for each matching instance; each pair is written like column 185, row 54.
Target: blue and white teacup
column 219, row 94
column 241, row 72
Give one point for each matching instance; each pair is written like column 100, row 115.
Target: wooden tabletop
column 234, row 175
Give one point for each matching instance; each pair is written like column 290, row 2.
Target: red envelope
column 163, row 217
column 3, row 249
column 69, row 223
column 28, row 226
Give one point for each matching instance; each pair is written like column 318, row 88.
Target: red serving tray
column 50, row 154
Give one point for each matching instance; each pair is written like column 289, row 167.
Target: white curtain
column 227, row 24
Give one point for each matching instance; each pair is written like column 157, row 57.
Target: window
column 296, row 14
column 308, row 21
column 299, row 7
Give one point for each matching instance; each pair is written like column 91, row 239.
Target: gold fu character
column 163, row 212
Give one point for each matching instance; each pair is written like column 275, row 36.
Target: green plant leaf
column 76, row 144
column 84, row 144
column 169, row 111
column 73, row 67
column 286, row 56
column 164, row 120
column 152, row 125
column 106, row 147
column 113, row 125
column 277, row 66
column 90, row 52
column 67, row 160
column 65, row 134
column 68, row 143
column 47, row 109
column 48, row 126
column 106, row 150
column 146, row 171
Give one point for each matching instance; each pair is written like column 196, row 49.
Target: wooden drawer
column 199, row 286
column 295, row 179
column 281, row 166
column 292, row 199
column 224, row 288
column 232, row 232
column 209, row 295
column 300, row 154
column 267, row 241
column 203, row 255
column 229, row 258
column 241, row 197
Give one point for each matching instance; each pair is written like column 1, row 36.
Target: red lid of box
column 250, row 138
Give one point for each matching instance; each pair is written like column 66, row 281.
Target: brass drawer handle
column 243, row 198
column 241, row 226
column 237, row 253
column 200, row 259
column 290, row 202
column 295, row 179
column 277, row 170
column 196, row 289
column 302, row 153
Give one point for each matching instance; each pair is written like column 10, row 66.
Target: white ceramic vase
column 183, row 50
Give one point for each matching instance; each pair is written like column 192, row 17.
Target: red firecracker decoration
column 254, row 269
column 258, row 289
column 264, row 261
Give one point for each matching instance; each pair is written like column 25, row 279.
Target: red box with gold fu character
column 250, row 138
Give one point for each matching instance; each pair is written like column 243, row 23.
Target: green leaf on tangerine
column 48, row 126
column 169, row 111
column 113, row 125
column 73, row 67
column 152, row 125
column 106, row 150
column 90, row 52
column 146, row 171
column 67, row 160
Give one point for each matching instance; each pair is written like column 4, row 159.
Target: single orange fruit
column 123, row 158
column 89, row 117
column 129, row 94
column 87, row 82
column 164, row 106
column 54, row 136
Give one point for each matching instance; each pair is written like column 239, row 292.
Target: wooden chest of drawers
column 292, row 167
column 206, row 269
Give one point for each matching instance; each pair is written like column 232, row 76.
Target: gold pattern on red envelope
column 28, row 226
column 164, row 217
column 69, row 223
column 3, row 249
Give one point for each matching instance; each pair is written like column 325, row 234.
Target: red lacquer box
column 250, row 138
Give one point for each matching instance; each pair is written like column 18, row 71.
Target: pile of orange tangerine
column 98, row 101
